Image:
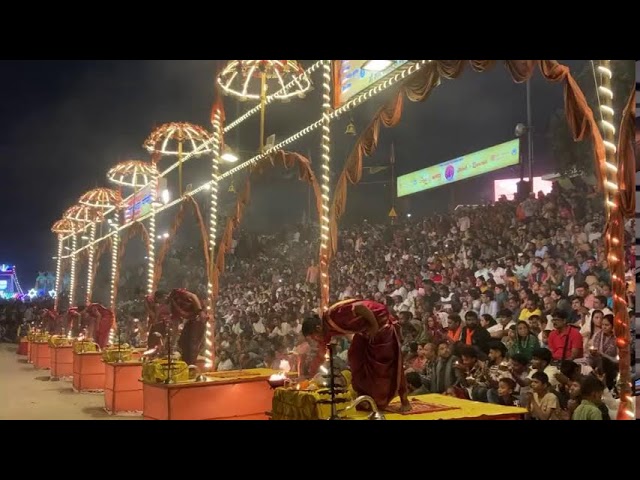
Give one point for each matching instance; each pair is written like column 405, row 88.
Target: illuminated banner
column 509, row 187
column 139, row 204
column 472, row 165
column 351, row 78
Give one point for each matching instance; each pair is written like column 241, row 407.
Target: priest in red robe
column 375, row 355
column 186, row 305
column 102, row 320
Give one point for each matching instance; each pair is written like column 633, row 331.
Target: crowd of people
column 507, row 303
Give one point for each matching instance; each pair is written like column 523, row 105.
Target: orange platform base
column 23, row 347
column 61, row 362
column 242, row 398
column 122, row 388
column 41, row 358
column 88, row 372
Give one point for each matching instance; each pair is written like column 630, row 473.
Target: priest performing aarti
column 101, row 321
column 186, row 305
column 375, row 354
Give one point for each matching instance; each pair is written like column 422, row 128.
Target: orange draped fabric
column 418, row 87
column 626, row 158
column 289, row 160
column 189, row 201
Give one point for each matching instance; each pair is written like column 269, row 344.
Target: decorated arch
column 184, row 206
column 288, row 160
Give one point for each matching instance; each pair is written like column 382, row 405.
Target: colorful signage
column 138, row 205
column 352, row 78
column 472, row 165
column 141, row 202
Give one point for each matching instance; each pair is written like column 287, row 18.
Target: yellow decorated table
column 291, row 404
column 233, row 395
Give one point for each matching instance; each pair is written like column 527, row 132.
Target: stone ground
column 28, row 394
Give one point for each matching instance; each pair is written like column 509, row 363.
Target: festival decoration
column 80, row 216
column 100, row 200
column 253, row 79
column 61, row 228
column 616, row 177
column 170, row 139
column 137, row 174
column 132, row 173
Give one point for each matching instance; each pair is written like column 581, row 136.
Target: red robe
column 376, row 364
column 193, row 331
column 103, row 328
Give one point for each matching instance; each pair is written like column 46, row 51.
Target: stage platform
column 233, row 395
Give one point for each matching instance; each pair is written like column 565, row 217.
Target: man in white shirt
column 482, row 270
column 497, row 272
column 505, row 321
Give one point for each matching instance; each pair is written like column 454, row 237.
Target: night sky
column 63, row 124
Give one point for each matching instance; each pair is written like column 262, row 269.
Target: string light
column 60, row 228
column 326, row 181
column 92, row 238
column 58, row 270
column 271, row 99
column 209, row 351
column 115, row 240
column 400, row 75
column 72, row 274
column 151, row 254
column 616, row 231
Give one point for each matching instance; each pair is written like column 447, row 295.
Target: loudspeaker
column 524, row 189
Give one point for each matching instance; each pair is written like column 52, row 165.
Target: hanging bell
column 351, row 129
column 232, row 188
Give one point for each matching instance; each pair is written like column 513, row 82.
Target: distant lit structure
column 9, row 284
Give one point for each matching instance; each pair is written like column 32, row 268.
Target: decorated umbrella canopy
column 101, row 199
column 81, row 215
column 63, row 226
column 243, row 79
column 170, row 139
column 132, row 173
column 263, row 80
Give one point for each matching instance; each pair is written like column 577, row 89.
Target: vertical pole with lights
column 615, row 240
column 213, row 221
column 151, row 254
column 326, row 183
column 115, row 243
column 58, row 271
column 72, row 273
column 92, row 238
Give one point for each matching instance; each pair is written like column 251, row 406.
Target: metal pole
column 530, row 135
